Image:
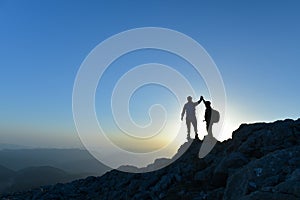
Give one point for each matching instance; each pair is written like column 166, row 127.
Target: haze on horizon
column 254, row 44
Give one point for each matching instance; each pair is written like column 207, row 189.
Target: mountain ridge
column 261, row 161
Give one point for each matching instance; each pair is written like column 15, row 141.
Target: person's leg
column 188, row 125
column 209, row 129
column 194, row 122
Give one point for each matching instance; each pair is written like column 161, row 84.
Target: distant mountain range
column 32, row 177
column 13, row 146
column 70, row 160
column 261, row 161
column 23, row 169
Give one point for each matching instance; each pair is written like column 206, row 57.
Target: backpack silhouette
column 215, row 116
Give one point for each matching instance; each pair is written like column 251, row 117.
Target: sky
column 254, row 44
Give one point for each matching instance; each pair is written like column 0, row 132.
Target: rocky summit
column 261, row 161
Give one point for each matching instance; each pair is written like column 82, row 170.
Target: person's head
column 207, row 103
column 189, row 98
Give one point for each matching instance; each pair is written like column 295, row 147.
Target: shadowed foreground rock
column 262, row 161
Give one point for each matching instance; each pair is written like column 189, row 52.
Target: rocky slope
column 261, row 161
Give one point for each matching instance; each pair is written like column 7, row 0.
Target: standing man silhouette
column 189, row 108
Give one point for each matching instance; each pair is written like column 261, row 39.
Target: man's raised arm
column 198, row 102
column 202, row 99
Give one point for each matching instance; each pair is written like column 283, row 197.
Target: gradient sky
column 255, row 45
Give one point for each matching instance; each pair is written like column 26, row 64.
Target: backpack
column 215, row 116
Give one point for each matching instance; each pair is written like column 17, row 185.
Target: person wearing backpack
column 211, row 116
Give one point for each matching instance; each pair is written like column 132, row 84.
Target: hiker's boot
column 188, row 137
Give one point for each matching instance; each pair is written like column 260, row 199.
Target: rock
column 215, row 194
column 203, row 175
column 295, row 176
column 237, row 186
column 252, row 185
column 271, row 181
column 268, row 166
column 258, row 171
column 232, row 161
column 260, row 195
column 141, row 195
column 289, row 187
column 219, row 179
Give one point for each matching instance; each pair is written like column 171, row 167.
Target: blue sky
column 255, row 45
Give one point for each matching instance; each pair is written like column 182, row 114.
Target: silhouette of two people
column 211, row 116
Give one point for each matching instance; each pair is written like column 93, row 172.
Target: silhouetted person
column 189, row 109
column 211, row 116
